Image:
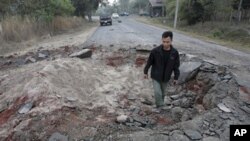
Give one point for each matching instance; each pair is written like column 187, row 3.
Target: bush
column 18, row 29
column 42, row 10
column 65, row 23
column 46, row 10
column 217, row 33
column 194, row 14
column 237, row 33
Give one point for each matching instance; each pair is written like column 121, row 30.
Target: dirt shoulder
column 74, row 37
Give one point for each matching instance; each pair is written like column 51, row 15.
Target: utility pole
column 239, row 10
column 176, row 13
column 139, row 6
column 163, row 9
column 162, row 12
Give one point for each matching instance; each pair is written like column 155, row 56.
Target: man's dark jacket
column 156, row 61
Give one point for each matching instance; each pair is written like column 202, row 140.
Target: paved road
column 131, row 33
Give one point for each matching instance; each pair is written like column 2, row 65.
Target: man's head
column 167, row 38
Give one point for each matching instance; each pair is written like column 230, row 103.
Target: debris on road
column 188, row 70
column 85, row 53
column 58, row 137
column 122, row 119
column 58, row 97
column 25, row 108
column 224, row 108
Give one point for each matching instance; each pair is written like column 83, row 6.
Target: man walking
column 164, row 60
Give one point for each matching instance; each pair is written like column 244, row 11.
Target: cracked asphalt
column 131, row 33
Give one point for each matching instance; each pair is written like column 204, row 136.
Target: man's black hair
column 167, row 34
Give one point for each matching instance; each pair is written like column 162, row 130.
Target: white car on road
column 115, row 16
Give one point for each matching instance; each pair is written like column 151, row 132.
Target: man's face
column 166, row 42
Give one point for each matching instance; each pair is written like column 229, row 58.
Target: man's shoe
column 167, row 107
column 156, row 110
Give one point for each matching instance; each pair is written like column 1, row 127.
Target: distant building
column 156, row 8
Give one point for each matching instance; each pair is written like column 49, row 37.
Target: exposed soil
column 80, row 99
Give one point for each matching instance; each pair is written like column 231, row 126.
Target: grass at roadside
column 233, row 36
column 17, row 29
column 18, row 33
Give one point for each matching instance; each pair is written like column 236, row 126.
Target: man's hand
column 145, row 76
column 175, row 82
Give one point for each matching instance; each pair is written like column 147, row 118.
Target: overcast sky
column 111, row 1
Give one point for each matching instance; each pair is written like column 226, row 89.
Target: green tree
column 245, row 4
column 241, row 6
column 209, row 9
column 46, row 9
column 5, row 6
column 86, row 7
column 171, row 5
column 195, row 13
column 139, row 4
column 41, row 10
column 124, row 4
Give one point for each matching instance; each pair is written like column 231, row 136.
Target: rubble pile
column 102, row 95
